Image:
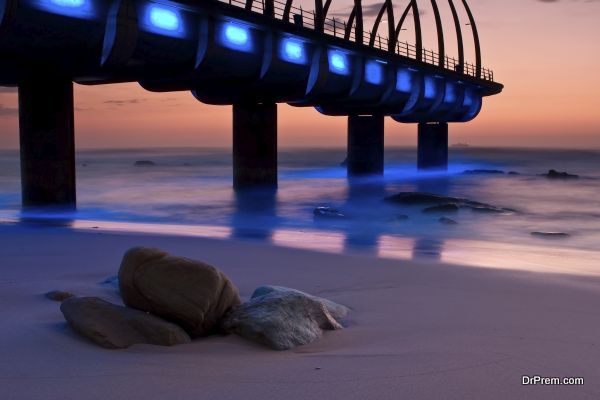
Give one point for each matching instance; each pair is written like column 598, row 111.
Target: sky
column 545, row 52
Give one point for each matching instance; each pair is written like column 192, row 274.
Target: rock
column 336, row 310
column 328, row 212
column 442, row 208
column 144, row 163
column 513, row 173
column 447, row 221
column 59, row 295
column 117, row 327
column 416, row 198
column 483, row 172
column 193, row 294
column 553, row 174
column 281, row 320
column 419, row 198
column 551, row 235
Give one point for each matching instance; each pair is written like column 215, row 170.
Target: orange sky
column 546, row 53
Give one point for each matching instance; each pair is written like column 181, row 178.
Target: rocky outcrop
column 442, row 208
column 551, row 235
column 282, row 318
column 328, row 213
column 438, row 202
column 553, row 174
column 447, row 221
column 193, row 294
column 117, row 327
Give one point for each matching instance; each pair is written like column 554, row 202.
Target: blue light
column 468, row 101
column 163, row 20
column 236, row 36
column 338, row 62
column 82, row 9
column 430, row 88
column 374, row 72
column 450, row 95
column 404, row 81
column 293, row 51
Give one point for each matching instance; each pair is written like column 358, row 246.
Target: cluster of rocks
column 171, row 300
column 444, row 204
column 553, row 174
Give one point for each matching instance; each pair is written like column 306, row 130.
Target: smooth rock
column 144, row 163
column 553, row 174
column 117, row 327
column 420, row 198
column 328, row 212
column 336, row 310
column 280, row 320
column 551, row 235
column 193, row 294
column 447, row 221
column 442, row 208
column 59, row 295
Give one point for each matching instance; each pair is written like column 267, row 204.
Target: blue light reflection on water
column 191, row 188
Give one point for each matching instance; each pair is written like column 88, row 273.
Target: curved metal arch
column 459, row 38
column 268, row 7
column 440, row 34
column 418, row 33
column 357, row 15
column 388, row 7
column 475, row 39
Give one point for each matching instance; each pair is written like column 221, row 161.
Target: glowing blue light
column 404, row 81
column 236, row 36
column 293, row 51
column 430, row 88
column 450, row 95
column 163, row 20
column 82, row 9
column 338, row 62
column 374, row 72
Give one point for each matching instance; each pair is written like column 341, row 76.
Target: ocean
column 189, row 192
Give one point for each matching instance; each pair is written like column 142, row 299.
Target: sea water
column 189, row 192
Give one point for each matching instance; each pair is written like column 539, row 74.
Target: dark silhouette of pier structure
column 251, row 54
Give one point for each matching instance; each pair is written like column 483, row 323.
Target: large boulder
column 116, row 327
column 283, row 319
column 193, row 294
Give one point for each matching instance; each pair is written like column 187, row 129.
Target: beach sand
column 417, row 330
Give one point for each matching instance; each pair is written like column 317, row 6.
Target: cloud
column 8, row 111
column 120, row 103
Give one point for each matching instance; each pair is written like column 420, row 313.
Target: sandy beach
column 416, row 331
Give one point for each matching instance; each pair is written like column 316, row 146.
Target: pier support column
column 433, row 145
column 254, row 145
column 47, row 140
column 365, row 145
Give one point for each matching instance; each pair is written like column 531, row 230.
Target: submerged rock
column 442, row 208
column 193, row 294
column 551, row 235
column 420, row 198
column 483, row 172
column 117, row 327
column 59, row 295
column 553, row 174
column 513, row 173
column 144, row 163
column 281, row 319
column 328, row 212
column 447, row 221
